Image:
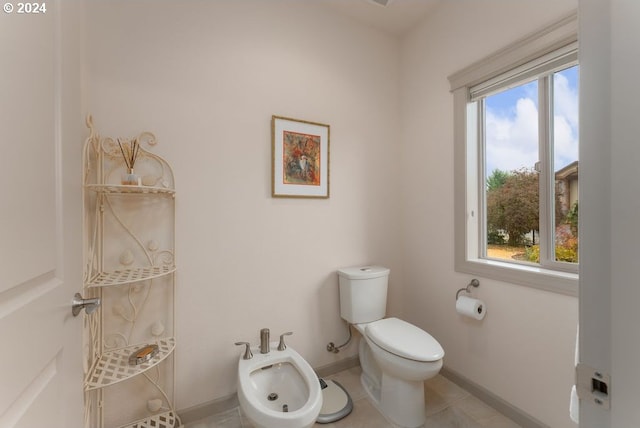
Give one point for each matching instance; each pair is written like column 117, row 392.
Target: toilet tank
column 363, row 293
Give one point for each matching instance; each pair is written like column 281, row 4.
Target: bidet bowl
column 278, row 389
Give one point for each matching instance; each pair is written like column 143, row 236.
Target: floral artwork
column 300, row 163
column 301, row 158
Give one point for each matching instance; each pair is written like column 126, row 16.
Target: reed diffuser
column 130, row 154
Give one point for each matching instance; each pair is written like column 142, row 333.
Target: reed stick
column 132, row 150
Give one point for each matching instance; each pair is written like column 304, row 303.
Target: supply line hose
column 331, row 347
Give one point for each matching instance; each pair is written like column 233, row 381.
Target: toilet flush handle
column 281, row 345
column 247, row 351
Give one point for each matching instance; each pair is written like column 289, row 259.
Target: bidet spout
column 264, row 341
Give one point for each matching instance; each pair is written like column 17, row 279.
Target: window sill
column 530, row 276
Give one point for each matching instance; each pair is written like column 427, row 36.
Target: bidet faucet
column 282, row 346
column 264, row 341
column 247, row 350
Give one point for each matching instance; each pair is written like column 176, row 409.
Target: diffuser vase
column 130, row 178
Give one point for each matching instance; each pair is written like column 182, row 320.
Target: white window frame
column 552, row 48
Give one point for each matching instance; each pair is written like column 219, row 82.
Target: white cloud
column 565, row 122
column 512, row 138
column 565, row 142
column 566, row 100
column 512, row 141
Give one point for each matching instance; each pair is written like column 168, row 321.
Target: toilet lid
column 404, row 339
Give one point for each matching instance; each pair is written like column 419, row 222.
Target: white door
column 40, row 219
column 609, row 206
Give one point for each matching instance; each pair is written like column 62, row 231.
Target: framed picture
column 300, row 163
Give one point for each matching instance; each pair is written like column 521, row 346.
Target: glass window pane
column 512, row 191
column 565, row 158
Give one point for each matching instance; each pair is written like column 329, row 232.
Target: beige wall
column 523, row 350
column 206, row 78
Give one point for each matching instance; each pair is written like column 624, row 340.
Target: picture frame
column 300, row 158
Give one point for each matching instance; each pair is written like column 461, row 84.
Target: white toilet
column 396, row 357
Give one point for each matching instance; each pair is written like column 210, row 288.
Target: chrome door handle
column 89, row 305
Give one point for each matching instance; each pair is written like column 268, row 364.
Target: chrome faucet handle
column 247, row 351
column 281, row 345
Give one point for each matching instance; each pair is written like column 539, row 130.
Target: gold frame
column 306, row 174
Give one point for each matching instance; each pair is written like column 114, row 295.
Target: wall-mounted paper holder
column 474, row 283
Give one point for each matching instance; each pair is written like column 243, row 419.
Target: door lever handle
column 89, row 305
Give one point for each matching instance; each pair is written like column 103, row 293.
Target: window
column 516, row 162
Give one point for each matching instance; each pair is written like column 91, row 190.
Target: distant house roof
column 569, row 171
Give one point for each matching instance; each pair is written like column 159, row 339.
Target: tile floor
column 448, row 406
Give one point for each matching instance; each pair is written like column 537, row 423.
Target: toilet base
column 403, row 401
column 399, row 401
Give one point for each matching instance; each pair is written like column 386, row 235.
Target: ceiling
column 396, row 18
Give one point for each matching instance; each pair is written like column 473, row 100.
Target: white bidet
column 278, row 389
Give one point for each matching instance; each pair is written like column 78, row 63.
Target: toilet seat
column 404, row 340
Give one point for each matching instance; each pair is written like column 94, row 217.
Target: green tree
column 572, row 219
column 513, row 206
column 494, row 234
column 496, row 179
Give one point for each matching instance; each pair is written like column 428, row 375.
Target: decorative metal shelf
column 129, row 276
column 116, row 189
column 162, row 420
column 113, row 366
column 118, row 216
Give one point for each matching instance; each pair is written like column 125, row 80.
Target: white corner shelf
column 119, row 218
column 113, row 366
column 129, row 276
column 161, row 420
column 116, row 189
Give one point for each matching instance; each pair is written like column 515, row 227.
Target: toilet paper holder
column 474, row 283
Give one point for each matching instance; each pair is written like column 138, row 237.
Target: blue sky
column 512, row 124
